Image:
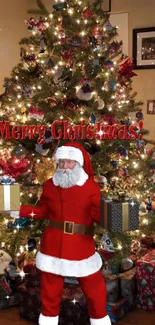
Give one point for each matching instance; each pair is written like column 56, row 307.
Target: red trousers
column 93, row 286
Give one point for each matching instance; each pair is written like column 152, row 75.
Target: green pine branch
column 40, row 11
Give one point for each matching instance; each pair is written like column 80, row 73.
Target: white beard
column 66, row 178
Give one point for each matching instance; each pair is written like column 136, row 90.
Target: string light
column 22, row 274
column 119, row 246
column 145, row 221
column 71, row 11
column 83, row 33
column 21, row 249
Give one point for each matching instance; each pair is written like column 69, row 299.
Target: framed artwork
column 151, row 107
column 106, row 5
column 144, row 48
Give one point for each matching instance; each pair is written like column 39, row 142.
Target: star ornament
column 32, row 214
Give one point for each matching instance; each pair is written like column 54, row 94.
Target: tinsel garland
column 44, row 169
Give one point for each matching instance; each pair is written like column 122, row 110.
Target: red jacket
column 79, row 204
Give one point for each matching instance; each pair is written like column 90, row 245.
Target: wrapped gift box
column 73, row 308
column 70, row 280
column 10, row 301
column 5, row 289
column 32, row 275
column 117, row 310
column 145, row 276
column 117, row 216
column 7, row 297
column 9, row 197
column 111, row 281
column 148, row 241
column 127, row 281
column 29, row 302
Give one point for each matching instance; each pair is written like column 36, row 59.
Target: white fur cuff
column 72, row 153
column 101, row 321
column 65, row 267
column 46, row 320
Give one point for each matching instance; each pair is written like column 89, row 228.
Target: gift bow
column 7, row 180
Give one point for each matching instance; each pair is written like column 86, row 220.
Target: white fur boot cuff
column 46, row 320
column 101, row 321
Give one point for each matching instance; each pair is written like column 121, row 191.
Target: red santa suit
column 63, row 252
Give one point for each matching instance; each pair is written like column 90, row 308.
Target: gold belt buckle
column 65, row 231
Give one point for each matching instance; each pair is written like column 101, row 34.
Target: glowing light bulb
column 83, row 33
column 119, row 246
column 22, row 274
column 21, row 249
column 71, row 11
column 145, row 222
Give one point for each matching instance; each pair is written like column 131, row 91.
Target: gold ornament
column 23, row 110
column 44, row 169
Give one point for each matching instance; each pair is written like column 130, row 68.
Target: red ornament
column 52, row 101
column 88, row 13
column 64, row 101
column 98, row 34
column 68, row 57
column 71, row 106
column 15, row 168
column 109, row 119
column 36, row 113
column 126, row 69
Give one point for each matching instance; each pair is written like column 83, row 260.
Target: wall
column 12, row 29
column 14, row 12
column 140, row 14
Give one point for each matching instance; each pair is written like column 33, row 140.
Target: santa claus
column 71, row 202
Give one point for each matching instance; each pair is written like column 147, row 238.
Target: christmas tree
column 74, row 77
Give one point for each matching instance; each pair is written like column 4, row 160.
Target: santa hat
column 75, row 151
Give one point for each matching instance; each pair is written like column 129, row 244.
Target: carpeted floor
column 137, row 317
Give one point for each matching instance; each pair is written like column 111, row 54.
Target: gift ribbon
column 125, row 216
column 7, row 197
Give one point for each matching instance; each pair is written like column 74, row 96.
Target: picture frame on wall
column 106, row 5
column 151, row 107
column 144, row 48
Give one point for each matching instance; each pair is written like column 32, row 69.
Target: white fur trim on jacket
column 65, row 267
column 101, row 321
column 46, row 320
column 72, row 153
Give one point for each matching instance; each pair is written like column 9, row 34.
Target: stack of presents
column 134, row 287
column 125, row 291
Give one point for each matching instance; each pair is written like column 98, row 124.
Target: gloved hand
column 14, row 214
